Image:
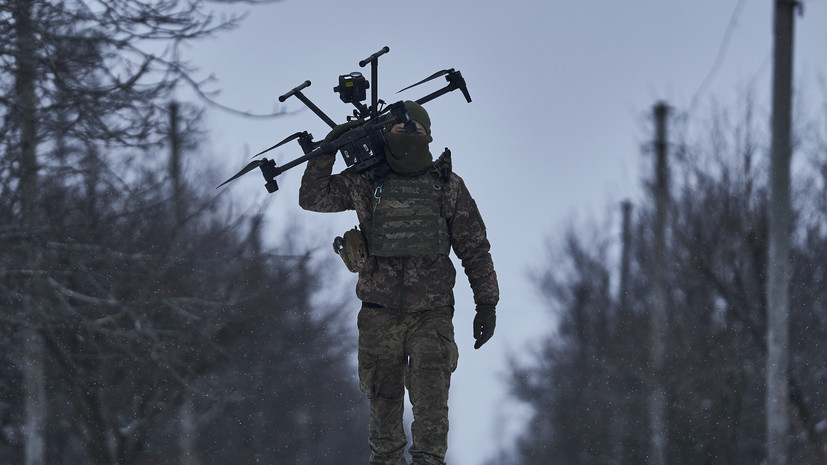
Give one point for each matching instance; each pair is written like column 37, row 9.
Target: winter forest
column 146, row 321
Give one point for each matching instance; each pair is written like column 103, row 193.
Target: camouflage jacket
column 411, row 283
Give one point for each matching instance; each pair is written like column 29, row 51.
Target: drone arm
column 297, row 91
column 455, row 81
column 434, row 95
column 322, row 149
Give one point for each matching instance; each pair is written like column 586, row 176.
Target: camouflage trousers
column 398, row 350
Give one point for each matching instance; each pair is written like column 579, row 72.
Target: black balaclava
column 408, row 154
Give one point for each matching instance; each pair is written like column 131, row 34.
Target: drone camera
column 352, row 87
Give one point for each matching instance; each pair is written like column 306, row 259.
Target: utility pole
column 26, row 113
column 187, row 423
column 778, row 267
column 658, row 331
column 626, row 240
column 619, row 425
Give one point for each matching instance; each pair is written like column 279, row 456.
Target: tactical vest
column 406, row 218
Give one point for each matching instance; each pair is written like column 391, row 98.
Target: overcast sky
column 560, row 94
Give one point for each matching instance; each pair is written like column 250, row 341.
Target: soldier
column 411, row 212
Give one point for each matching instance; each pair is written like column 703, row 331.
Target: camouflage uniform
column 406, row 334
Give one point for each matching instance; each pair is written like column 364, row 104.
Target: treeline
column 136, row 332
column 142, row 323
column 589, row 381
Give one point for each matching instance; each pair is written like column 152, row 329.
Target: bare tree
column 80, row 81
column 717, row 266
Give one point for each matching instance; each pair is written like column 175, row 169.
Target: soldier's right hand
column 484, row 322
column 341, row 129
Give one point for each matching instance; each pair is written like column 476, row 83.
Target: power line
column 719, row 57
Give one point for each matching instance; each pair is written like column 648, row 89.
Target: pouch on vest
column 352, row 248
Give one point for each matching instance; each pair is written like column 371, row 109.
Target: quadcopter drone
column 361, row 146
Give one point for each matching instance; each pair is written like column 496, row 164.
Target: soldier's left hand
column 484, row 323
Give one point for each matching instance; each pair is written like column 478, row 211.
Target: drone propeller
column 250, row 167
column 288, row 139
column 429, row 78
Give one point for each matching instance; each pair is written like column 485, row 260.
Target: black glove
column 484, row 323
column 341, row 129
